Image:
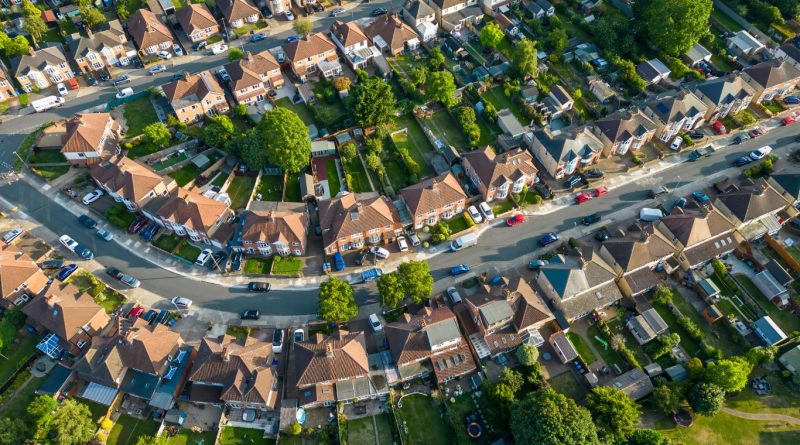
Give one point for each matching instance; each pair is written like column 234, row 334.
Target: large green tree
column 415, row 277
column 336, row 301
column 249, row 148
column 527, row 354
column 13, row 431
column 526, row 59
column 614, row 413
column 303, row 26
column 157, row 133
column 647, row 437
column 436, row 59
column 442, row 88
column 285, row 138
column 503, row 394
column 34, row 24
column 491, row 35
column 92, row 16
column 675, row 25
column 730, row 374
column 72, row 424
column 40, row 411
column 546, row 417
column 706, row 398
column 219, row 131
column 391, row 290
column 374, row 103
column 665, row 400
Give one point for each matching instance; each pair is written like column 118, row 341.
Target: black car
column 258, row 286
column 742, row 160
column 87, row 221
column 697, row 134
column 115, row 273
column 590, row 219
column 122, row 80
column 252, row 314
column 361, row 258
column 594, row 173
column 573, row 181
column 379, row 12
column 602, row 235
column 104, row 77
column 267, row 13
column 542, row 190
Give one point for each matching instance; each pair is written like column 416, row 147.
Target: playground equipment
column 474, row 430
column 602, row 342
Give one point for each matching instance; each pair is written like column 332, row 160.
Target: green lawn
column 259, row 266
column 610, row 356
column 139, row 114
column 583, row 349
column 729, row 430
column 502, row 207
column 17, row 354
column 458, row 224
column 16, row 408
column 301, row 109
column 97, row 410
column 240, row 189
column 396, row 171
column 112, row 300
column 186, row 174
column 108, row 298
column 720, row 338
column 567, row 384
column 46, row 157
column 270, row 187
column 186, row 437
column 167, row 241
column 51, row 172
column 128, row 429
column 785, row 319
column 188, row 252
column 423, row 417
column 219, row 179
column 287, row 265
column 794, row 252
column 385, row 424
column 333, row 177
column 119, row 216
column 173, row 159
column 238, row 331
column 243, row 436
column 361, row 431
column 489, row 132
column 725, row 21
column 497, row 97
column 292, row 193
column 415, row 141
column 449, row 130
column 144, row 148
column 689, row 344
column 358, row 177
column 458, row 411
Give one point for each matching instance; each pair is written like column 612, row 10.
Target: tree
column 469, row 124
column 240, row 110
column 668, row 341
column 706, row 399
column 719, row 267
column 730, row 374
column 673, row 26
column 628, row 75
column 92, row 16
column 122, row 11
column 303, row 27
column 341, row 83
column 336, row 301
column 295, row 428
column 647, row 437
column 5, row 41
column 348, row 152
column 391, row 290
column 34, row 25
column 219, row 131
column 157, row 133
column 415, row 277
column 613, row 411
column 662, row 294
column 557, row 39
column 491, row 35
column 285, row 138
column 72, row 424
column 235, row 54
column 374, row 103
column 546, row 417
column 761, row 355
column 250, row 149
column 527, row 355
column 13, row 431
column 374, row 163
column 503, row 394
column 665, row 400
column 418, row 75
column 436, row 59
column 40, row 411
column 18, row 47
column 442, row 88
column 525, row 58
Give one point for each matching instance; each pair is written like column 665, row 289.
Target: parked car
column 289, row 15
column 536, row 264
column 760, row 153
column 590, row 219
column 182, row 302
column 697, row 134
column 52, row 264
column 474, row 214
column 67, row 271
column 218, row 49
column 791, row 100
column 11, row 235
column 337, row 11
column 84, row 252
column 258, row 286
column 573, row 181
column 741, row 138
column 583, row 197
column 701, row 197
column 788, row 120
column 594, row 173
column 338, row 261
column 292, row 38
column 379, row 12
column 402, row 244
column 62, row 89
column 659, row 191
column 223, row 75
column 600, row 191
column 414, row 240
column 515, row 219
column 251, row 314
column 277, row 341
column 177, row 48
column 742, row 160
column 602, row 235
column 123, row 93
column 549, row 238
column 155, row 69
column 197, row 46
column 68, row 242
column 375, row 323
column 379, row 252
column 486, row 211
column 92, row 196
column 236, row 264
column 137, row 225
column 756, row 132
column 115, row 273
column 257, row 37
column 166, row 55
column 203, row 258
column 455, row 297
column 299, row 335
column 104, row 234
column 719, row 128
column 130, row 281
column 676, row 143
column 87, row 221
column 119, row 80
column 460, row 269
column 542, row 190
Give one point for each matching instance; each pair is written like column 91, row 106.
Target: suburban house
column 195, row 96
column 558, row 101
column 561, row 152
column 624, row 130
column 313, row 53
column 499, row 319
column 350, row 221
column 429, row 341
column 696, row 54
column 238, row 13
column 676, row 112
column 755, row 207
column 149, row 32
column 498, row 175
column 102, row 49
column 701, row 234
column 421, row 17
column 453, row 15
column 509, row 28
column 743, row 44
column 646, row 326
column 250, row 76
column 89, row 138
column 600, row 89
column 789, row 52
column 391, row 35
column 70, row 316
column 652, row 71
column 547, row 7
column 328, row 366
column 42, row 68
column 192, row 214
column 353, row 44
column 6, row 87
column 20, row 277
column 130, row 182
column 433, row 200
column 723, row 96
column 235, row 372
column 635, row 254
column 282, row 230
column 197, row 22
column 578, row 285
column 279, row 6
column 787, row 181
column 771, row 79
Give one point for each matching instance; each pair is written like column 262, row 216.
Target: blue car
column 292, row 38
column 84, row 252
column 257, row 37
column 742, row 160
column 550, row 238
column 338, row 261
column 791, row 100
column 236, row 264
column 700, row 197
column 66, row 271
column 460, row 269
column 680, row 203
column 104, row 234
column 88, row 222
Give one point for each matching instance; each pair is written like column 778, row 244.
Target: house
column 558, row 101
column 498, row 175
column 192, row 214
column 676, row 112
column 652, row 71
column 787, row 181
column 322, row 147
column 755, row 207
column 624, row 130
column 579, row 285
column 391, row 35
column 353, row 44
column 601, row 89
column 313, row 53
column 89, row 138
column 348, row 221
column 280, row 229
column 561, row 152
column 790, row 53
column 510, row 124
column 499, row 319
column 433, row 200
column 197, row 22
column 421, row 17
column 696, row 54
column 769, row 332
column 771, row 79
column 547, row 7
column 7, row 91
column 646, row 326
column 509, row 28
column 20, row 277
column 429, row 341
column 563, row 348
column 791, row 360
column 149, row 32
column 96, row 51
column 235, row 372
column 534, row 9
column 42, row 68
column 453, row 15
column 195, row 96
column 251, row 75
column 771, row 288
column 743, row 44
column 701, row 234
column 723, row 96
column 635, row 254
column 238, row 13
column 130, row 182
column 70, row 316
column 325, row 365
column 635, row 383
column 529, row 92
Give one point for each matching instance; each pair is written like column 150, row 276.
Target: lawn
column 722, row 336
column 188, row 252
column 498, row 98
column 98, row 411
column 458, row 224
column 128, row 429
column 361, row 431
column 567, row 384
column 448, row 129
column 287, row 265
column 610, row 356
column 219, row 179
column 119, row 216
column 240, row 190
column 51, row 172
column 423, row 416
column 109, row 299
column 240, row 436
column 238, row 331
column 418, row 145
column 144, row 148
column 167, row 241
column 583, row 349
column 186, row 174
column 396, row 171
column 270, row 187
column 725, row 21
column 301, row 109
column 785, row 319
column 729, row 430
column 16, row 408
column 16, row 355
column 689, row 344
column 46, row 157
column 139, row 114
column 463, row 406
column 333, row 177
column 292, row 193
column 502, row 207
column 172, row 160
column 358, row 177
column 489, row 132
column 794, row 252
column 402, row 141
column 186, row 437
column 258, row 266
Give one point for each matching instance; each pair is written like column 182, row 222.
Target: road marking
column 47, row 187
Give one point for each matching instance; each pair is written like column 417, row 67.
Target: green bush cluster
column 468, row 121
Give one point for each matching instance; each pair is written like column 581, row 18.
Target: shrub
column 469, row 220
column 107, row 424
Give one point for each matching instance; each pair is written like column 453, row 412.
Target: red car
column 584, row 197
column 514, row 220
column 599, row 191
column 788, row 120
column 719, row 128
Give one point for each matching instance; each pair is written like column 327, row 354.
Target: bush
column 469, row 220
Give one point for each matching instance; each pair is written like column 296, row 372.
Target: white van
column 203, row 258
column 125, row 92
column 380, row 252
column 649, row 215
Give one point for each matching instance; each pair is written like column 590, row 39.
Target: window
column 81, row 343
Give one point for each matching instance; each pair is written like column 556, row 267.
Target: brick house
column 623, row 131
column 251, row 75
column 7, row 90
column 453, row 15
column 131, row 183
column 723, row 96
column 150, row 34
column 391, row 36
column 311, row 54
column 197, row 22
column 701, row 234
column 771, row 79
column 42, row 68
column 188, row 213
column 96, row 51
column 497, row 175
column 676, row 112
column 352, row 43
column 282, row 230
column 755, row 207
column 434, row 199
column 237, row 13
column 195, row 96
column 90, row 138
column 20, row 277
column 350, row 221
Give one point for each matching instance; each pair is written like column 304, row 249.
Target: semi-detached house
column 131, row 183
column 772, row 79
column 755, row 207
column 42, row 68
column 196, row 95
column 353, row 44
column 89, row 138
column 391, row 36
column 624, row 131
column 150, row 34
column 275, row 228
column 238, row 13
column 701, row 234
column 20, row 277
column 352, row 221
column 188, row 213
column 453, row 15
column 723, row 96
column 433, row 200
column 421, row 17
column 96, row 51
column 251, row 75
column 7, row 90
column 562, row 152
column 311, row 54
column 497, row 175
column 676, row 112
column 197, row 22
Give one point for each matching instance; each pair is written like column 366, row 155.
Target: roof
column 677, row 373
column 723, row 90
column 744, row 41
column 433, row 194
column 191, row 89
column 130, row 179
column 655, row 321
column 147, row 30
column 638, row 246
column 752, row 200
column 64, row 310
column 704, row 234
column 635, row 383
column 348, row 214
column 791, row 359
column 515, row 301
column 86, row 132
column 772, row 72
column 625, row 125
column 445, row 4
column 778, row 272
column 791, row 51
column 41, row 58
column 562, row 344
column 286, row 224
column 769, row 332
column 768, row 285
column 674, row 107
column 640, row 329
column 509, row 123
column 565, row 146
column 392, row 30
column 697, row 53
column 652, row 69
column 251, row 70
column 339, row 356
column 237, row 9
column 55, row 380
column 571, row 276
column 789, row 182
column 195, row 17
column 193, row 210
column 497, row 170
column 309, row 46
column 560, row 94
column 348, row 34
column 416, row 9
column 16, row 269
column 110, row 38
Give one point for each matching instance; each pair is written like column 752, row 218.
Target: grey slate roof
column 674, row 107
column 723, row 90
column 108, row 38
column 566, row 146
column 789, row 181
column 772, row 72
column 634, row 383
column 750, row 202
column 53, row 55
column 623, row 125
column 443, row 331
column 417, row 8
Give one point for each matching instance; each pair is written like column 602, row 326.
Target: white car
column 155, row 69
column 487, row 211
column 219, row 49
column 401, row 242
column 182, row 302
column 62, row 89
column 473, row 212
column 203, row 258
column 379, row 252
column 68, row 242
column 125, row 92
column 10, row 236
column 374, row 323
column 414, row 240
column 676, row 143
column 166, row 55
column 177, row 48
column 760, row 153
column 289, row 15
column 92, row 197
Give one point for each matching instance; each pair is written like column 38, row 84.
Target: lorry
column 700, row 153
column 371, row 274
column 468, row 240
column 47, row 103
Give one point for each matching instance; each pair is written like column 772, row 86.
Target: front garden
column 109, row 299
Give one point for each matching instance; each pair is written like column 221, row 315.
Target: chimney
column 89, row 32
column 329, row 349
column 31, row 51
column 249, row 56
column 226, row 356
column 186, row 76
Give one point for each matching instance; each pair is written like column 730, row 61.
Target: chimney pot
column 31, row 51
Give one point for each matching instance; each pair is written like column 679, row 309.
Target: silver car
column 455, row 297
column 130, row 281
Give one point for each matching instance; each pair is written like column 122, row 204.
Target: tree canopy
column 303, row 26
column 13, row 431
column 614, row 413
column 665, row 400
column 40, row 410
column 545, row 417
column 34, row 24
column 706, row 399
column 730, row 374
column 235, row 54
column 92, row 16
column 219, row 131
column 13, row 47
column 415, row 277
column 157, row 133
column 673, row 26
column 525, row 58
column 647, row 437
column 285, row 139
column 527, row 354
column 374, row 103
column 72, row 424
column 442, row 88
column 491, row 35
column 436, row 59
column 390, row 289
column 336, row 301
